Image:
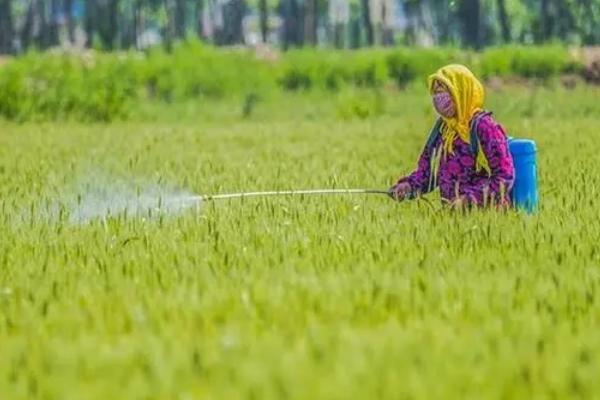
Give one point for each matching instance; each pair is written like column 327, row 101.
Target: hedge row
column 103, row 86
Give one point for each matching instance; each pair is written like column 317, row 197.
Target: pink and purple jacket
column 457, row 176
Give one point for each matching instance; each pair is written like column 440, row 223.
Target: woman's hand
column 399, row 191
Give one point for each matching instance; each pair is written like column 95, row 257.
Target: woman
column 468, row 174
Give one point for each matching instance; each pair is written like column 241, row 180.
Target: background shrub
column 52, row 86
column 101, row 86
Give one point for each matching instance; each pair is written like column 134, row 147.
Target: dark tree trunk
column 110, row 29
column 354, row 26
column 43, row 40
column 366, row 11
column 339, row 35
column 102, row 19
column 27, row 29
column 180, row 23
column 239, row 11
column 70, row 20
column 546, row 22
column 504, row 22
column 138, row 24
column 564, row 22
column 232, row 31
column 284, row 11
column 90, row 22
column 292, row 24
column 410, row 33
column 128, row 26
column 113, row 21
column 299, row 33
column 310, row 22
column 443, row 22
column 6, row 27
column 53, row 27
column 264, row 20
column 590, row 31
column 169, row 28
column 470, row 15
column 35, row 27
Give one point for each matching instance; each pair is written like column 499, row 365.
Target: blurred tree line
column 126, row 24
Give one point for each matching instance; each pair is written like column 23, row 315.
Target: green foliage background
column 107, row 86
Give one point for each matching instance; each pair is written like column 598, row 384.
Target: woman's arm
column 420, row 180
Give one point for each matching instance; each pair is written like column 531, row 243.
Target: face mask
column 443, row 104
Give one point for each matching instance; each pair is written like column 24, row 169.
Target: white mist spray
column 100, row 196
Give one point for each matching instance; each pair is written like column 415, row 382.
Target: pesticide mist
column 99, row 196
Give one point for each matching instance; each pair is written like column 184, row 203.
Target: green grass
column 297, row 298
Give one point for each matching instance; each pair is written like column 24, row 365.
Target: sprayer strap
column 474, row 135
column 474, row 139
column 434, row 134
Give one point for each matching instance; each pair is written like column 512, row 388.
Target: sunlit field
column 308, row 297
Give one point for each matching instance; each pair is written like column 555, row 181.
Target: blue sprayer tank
column 525, row 188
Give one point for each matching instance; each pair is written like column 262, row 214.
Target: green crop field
column 339, row 297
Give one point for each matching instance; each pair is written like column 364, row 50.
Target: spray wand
column 224, row 196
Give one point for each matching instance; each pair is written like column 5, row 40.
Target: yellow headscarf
column 468, row 94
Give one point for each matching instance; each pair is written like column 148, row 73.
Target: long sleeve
column 420, row 180
column 494, row 144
